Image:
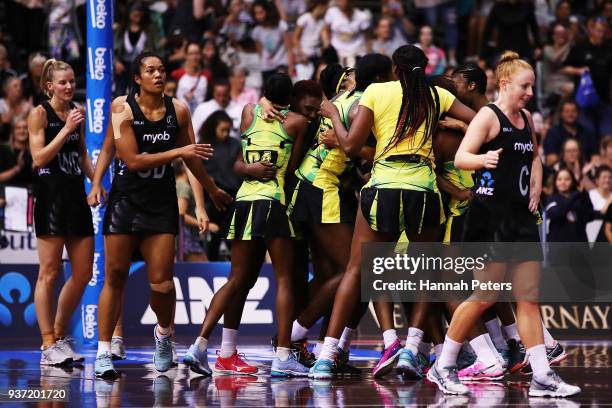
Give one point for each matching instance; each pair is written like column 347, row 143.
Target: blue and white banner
column 99, row 98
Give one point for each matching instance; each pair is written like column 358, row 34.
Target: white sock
column 346, row 338
column 448, row 357
column 317, row 349
column 414, row 338
column 549, row 341
column 118, row 338
column 298, row 332
column 511, row 332
column 483, row 350
column 389, row 337
column 328, row 351
column 282, row 353
column 538, row 361
column 425, row 348
column 201, row 343
column 163, row 332
column 496, row 334
column 438, row 350
column 103, row 347
column 228, row 342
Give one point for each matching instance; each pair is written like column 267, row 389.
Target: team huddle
column 375, row 153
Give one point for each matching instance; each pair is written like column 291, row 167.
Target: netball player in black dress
column 150, row 130
column 501, row 146
column 61, row 214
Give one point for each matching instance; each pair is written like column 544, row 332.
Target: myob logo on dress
column 154, row 137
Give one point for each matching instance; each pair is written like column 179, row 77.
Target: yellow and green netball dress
column 402, row 194
column 260, row 210
column 322, row 194
column 462, row 179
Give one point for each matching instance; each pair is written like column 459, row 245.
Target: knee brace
column 163, row 287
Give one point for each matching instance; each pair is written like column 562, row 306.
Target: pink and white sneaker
column 388, row 357
column 481, row 372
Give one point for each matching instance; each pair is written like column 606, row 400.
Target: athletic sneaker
column 554, row 354
column 481, row 372
column 175, row 359
column 517, row 358
column 67, row 345
column 447, row 380
column 288, row 368
column 162, row 391
column 425, row 362
column 117, row 348
column 323, row 369
column 465, row 359
column 551, row 386
column 103, row 367
column 408, row 366
column 197, row 360
column 305, row 357
column 233, row 364
column 343, row 368
column 54, row 355
column 163, row 352
column 387, row 358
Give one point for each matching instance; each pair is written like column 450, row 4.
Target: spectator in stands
column 221, row 100
column 554, row 81
column 63, row 35
column 192, row 82
column 571, row 158
column 568, row 128
column 400, row 24
column 15, row 159
column 170, row 87
column 212, row 66
column 272, row 40
column 344, row 29
column 386, row 40
column 190, row 19
column 600, row 197
column 436, row 57
column 568, row 210
column 563, row 13
column 447, row 9
column 307, row 35
column 5, row 67
column 594, row 55
column 13, row 104
column 603, row 159
column 492, row 91
column 239, row 92
column 236, row 23
column 249, row 58
column 135, row 35
column 30, row 82
column 192, row 245
column 515, row 27
column 216, row 132
column 290, row 11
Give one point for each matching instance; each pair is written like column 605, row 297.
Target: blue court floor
column 589, row 365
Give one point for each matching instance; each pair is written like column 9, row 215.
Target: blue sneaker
column 408, row 366
column 197, row 361
column 163, row 352
column 322, row 370
column 104, row 367
column 288, row 368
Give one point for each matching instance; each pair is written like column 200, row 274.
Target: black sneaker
column 343, row 368
column 304, row 357
column 517, row 358
column 554, row 354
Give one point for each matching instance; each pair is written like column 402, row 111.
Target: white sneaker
column 54, row 355
column 175, row 360
column 551, row 386
column 447, row 380
column 67, row 345
column 117, row 348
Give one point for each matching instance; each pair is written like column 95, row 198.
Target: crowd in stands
column 219, row 52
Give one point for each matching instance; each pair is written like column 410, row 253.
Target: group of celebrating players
column 378, row 153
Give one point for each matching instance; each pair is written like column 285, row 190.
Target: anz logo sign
column 191, row 309
column 15, row 293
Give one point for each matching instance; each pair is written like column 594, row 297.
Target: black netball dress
column 144, row 202
column 500, row 211
column 61, row 203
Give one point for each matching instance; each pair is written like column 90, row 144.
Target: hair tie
column 340, row 81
